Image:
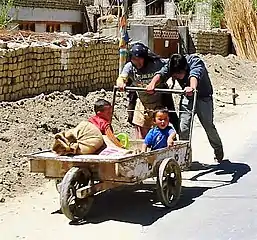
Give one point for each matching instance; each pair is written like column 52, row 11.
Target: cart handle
column 159, row 90
column 140, row 89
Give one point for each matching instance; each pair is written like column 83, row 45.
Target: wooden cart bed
column 131, row 167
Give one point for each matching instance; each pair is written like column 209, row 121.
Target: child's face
column 161, row 120
column 106, row 113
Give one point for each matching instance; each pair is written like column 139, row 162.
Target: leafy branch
column 5, row 8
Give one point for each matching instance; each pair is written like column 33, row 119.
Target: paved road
column 211, row 207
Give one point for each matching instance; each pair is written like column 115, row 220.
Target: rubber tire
column 66, row 187
column 172, row 164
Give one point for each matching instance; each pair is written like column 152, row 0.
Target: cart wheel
column 169, row 182
column 71, row 206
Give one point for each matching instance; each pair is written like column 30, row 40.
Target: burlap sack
column 85, row 138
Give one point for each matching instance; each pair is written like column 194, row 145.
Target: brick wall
column 56, row 4
column 211, row 41
column 29, row 71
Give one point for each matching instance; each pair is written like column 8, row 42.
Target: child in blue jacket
column 162, row 135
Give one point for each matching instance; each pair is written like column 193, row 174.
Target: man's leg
column 142, row 120
column 169, row 103
column 132, row 97
column 185, row 118
column 204, row 110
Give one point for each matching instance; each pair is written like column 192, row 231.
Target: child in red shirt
column 102, row 120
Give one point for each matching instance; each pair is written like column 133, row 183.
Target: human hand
column 121, row 86
column 189, row 91
column 170, row 142
column 150, row 88
column 120, row 83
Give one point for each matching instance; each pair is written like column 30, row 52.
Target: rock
column 3, row 44
column 88, row 34
column 40, row 96
column 5, row 139
column 2, row 200
column 20, row 174
column 14, row 45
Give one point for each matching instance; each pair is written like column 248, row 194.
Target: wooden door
column 166, row 42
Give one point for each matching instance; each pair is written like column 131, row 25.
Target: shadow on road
column 139, row 205
column 237, row 170
column 136, row 206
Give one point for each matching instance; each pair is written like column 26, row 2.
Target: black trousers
column 168, row 102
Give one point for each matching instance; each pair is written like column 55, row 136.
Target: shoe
column 219, row 154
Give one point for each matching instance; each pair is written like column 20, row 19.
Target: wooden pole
column 234, row 95
column 123, row 45
column 118, row 28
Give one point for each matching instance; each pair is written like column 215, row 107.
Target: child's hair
column 100, row 104
column 177, row 63
column 163, row 110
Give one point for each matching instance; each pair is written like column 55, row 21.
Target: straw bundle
column 241, row 20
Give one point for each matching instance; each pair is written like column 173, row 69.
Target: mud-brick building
column 51, row 15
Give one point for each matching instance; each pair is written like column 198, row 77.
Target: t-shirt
column 157, row 138
column 142, row 77
column 196, row 68
column 101, row 123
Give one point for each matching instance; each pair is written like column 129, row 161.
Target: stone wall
column 212, row 41
column 202, row 17
column 29, row 71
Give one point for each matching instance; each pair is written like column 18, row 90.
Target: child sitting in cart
column 94, row 136
column 102, row 120
column 162, row 135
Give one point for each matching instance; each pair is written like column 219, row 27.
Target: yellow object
column 124, row 139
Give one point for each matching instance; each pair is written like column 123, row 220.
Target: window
column 96, row 16
column 76, row 28
column 27, row 26
column 154, row 7
column 52, row 27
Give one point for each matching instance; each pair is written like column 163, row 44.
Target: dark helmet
column 139, row 50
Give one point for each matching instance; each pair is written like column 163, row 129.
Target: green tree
column 217, row 12
column 5, row 7
column 185, row 6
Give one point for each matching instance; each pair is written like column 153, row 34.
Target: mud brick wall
column 29, row 71
column 211, row 41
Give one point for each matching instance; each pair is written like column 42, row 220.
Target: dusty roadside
column 29, row 125
column 117, row 215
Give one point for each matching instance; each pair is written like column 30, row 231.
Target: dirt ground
column 29, row 125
